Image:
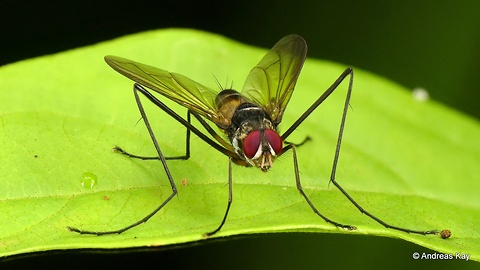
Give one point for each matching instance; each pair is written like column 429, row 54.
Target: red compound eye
column 274, row 140
column 251, row 143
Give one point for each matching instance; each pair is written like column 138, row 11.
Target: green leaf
column 413, row 164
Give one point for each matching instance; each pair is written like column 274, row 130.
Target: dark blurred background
column 429, row 44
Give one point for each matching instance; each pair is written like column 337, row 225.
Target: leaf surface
column 413, row 164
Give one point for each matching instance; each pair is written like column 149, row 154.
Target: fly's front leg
column 301, row 143
column 302, row 192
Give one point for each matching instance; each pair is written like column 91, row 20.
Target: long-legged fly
column 248, row 118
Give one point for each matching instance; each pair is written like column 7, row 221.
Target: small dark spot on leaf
column 445, row 234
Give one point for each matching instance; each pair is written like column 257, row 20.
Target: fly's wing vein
column 271, row 82
column 176, row 87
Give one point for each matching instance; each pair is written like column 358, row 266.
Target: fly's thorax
column 227, row 103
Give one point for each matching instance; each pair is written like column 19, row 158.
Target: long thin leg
column 288, row 146
column 320, row 100
column 334, row 169
column 184, row 157
column 228, row 147
column 167, row 171
column 212, row 132
column 230, row 199
column 347, row 72
column 185, row 123
column 300, row 189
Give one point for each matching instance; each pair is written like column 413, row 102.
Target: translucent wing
column 176, row 87
column 271, row 82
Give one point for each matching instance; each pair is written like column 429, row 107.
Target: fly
column 248, row 118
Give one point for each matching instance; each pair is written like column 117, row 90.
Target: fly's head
column 259, row 145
